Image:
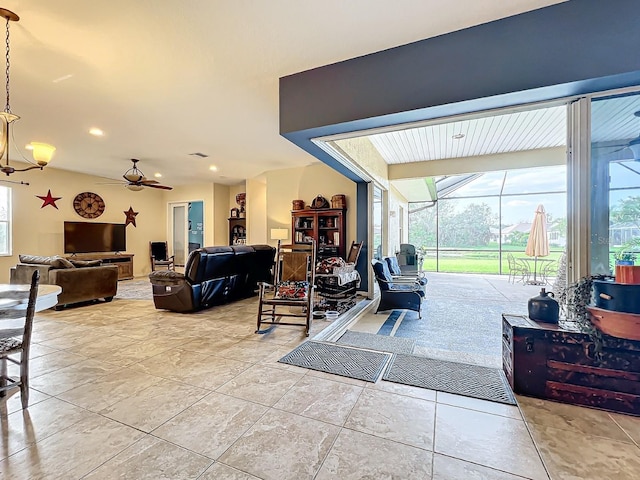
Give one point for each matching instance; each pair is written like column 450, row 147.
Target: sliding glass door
column 615, row 182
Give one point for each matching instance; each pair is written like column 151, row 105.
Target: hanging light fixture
column 42, row 152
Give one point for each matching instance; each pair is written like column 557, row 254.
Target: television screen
column 90, row 237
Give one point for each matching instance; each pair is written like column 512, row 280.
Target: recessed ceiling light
column 96, row 132
column 213, row 168
column 157, row 175
column 458, row 136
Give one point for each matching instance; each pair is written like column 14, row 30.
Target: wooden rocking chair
column 291, row 294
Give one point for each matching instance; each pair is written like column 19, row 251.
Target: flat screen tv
column 90, row 237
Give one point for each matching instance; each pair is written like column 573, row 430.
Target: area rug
column 135, row 290
column 452, row 377
column 380, row 343
column 345, row 361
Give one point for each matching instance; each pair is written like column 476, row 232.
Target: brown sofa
column 81, row 281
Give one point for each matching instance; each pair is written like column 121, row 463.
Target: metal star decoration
column 48, row 200
column 131, row 217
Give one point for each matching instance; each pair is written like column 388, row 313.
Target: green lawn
column 476, row 262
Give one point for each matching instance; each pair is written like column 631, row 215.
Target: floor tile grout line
column 624, row 430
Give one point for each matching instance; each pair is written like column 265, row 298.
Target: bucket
column 298, row 205
column 339, row 201
column 628, row 274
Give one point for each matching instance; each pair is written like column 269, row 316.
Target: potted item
column 544, row 307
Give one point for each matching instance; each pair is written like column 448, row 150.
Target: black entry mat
column 381, row 343
column 345, row 361
column 452, row 377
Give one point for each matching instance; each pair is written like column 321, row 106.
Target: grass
column 479, row 262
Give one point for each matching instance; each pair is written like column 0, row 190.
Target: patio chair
column 393, row 294
column 518, row 269
column 407, row 259
column 399, row 277
column 159, row 253
column 291, row 294
column 15, row 340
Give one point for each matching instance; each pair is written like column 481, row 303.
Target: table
column 16, row 297
column 539, row 277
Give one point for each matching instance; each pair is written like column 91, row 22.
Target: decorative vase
column 544, row 308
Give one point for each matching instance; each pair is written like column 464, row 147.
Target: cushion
column 292, row 290
column 55, row 261
column 86, row 263
column 168, row 277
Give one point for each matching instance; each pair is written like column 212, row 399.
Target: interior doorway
column 186, row 229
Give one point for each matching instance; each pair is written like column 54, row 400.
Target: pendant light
column 42, row 152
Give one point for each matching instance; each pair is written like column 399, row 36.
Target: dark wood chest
column 557, row 362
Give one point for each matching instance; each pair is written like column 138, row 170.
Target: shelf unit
column 328, row 226
column 237, row 231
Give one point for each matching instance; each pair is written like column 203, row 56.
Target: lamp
column 279, row 234
column 42, row 152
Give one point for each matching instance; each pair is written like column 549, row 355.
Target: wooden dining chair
column 16, row 325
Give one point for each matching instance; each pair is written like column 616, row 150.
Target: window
column 5, row 221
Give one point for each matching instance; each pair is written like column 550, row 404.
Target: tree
column 627, row 211
column 470, row 227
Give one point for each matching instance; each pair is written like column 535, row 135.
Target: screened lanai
column 478, row 219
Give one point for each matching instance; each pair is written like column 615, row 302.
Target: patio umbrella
column 538, row 243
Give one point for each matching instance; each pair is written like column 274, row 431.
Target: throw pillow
column 40, row 260
column 59, row 262
column 85, row 263
column 292, row 290
column 55, row 261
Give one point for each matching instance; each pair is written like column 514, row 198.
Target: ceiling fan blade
column 148, row 182
column 163, row 187
column 621, row 145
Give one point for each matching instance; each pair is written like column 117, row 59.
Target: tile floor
column 121, row 390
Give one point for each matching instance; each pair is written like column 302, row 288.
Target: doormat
column 452, row 377
column 348, row 362
column 381, row 343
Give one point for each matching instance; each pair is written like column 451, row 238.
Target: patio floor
column 461, row 317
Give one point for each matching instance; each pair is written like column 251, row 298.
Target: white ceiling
column 166, row 78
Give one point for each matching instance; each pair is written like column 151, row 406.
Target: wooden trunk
column 557, row 362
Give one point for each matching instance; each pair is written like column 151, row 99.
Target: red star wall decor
column 49, row 200
column 131, row 217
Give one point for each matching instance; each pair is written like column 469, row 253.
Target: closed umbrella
column 538, row 243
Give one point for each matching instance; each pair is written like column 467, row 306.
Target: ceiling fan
column 633, row 144
column 136, row 181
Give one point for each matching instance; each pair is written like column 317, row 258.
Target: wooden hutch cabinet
column 327, row 226
column 237, row 231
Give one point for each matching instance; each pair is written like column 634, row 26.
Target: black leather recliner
column 213, row 276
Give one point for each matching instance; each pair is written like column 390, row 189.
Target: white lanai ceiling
column 509, row 132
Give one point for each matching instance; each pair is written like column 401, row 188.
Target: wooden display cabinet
column 237, row 231
column 326, row 226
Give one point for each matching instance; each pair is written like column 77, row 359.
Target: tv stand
column 124, row 261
